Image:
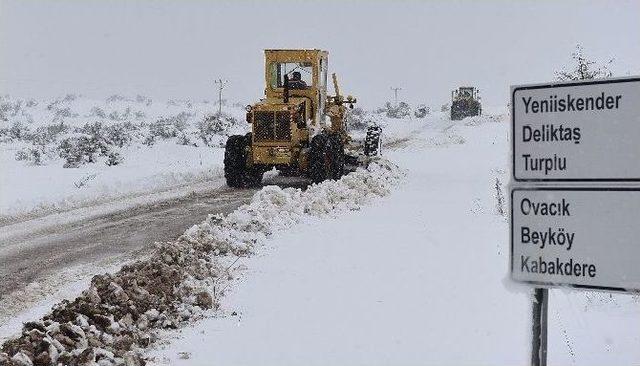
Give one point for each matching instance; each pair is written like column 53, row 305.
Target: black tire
column 465, row 108
column 457, row 111
column 236, row 171
column 338, row 169
column 324, row 158
column 372, row 141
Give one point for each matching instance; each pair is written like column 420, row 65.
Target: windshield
column 466, row 92
column 300, row 74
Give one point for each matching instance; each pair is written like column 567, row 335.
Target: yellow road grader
column 297, row 128
column 465, row 102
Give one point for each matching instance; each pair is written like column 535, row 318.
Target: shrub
column 60, row 114
column 584, row 68
column 81, row 149
column 45, row 135
column 115, row 98
column 114, row 116
column 214, row 126
column 32, row 155
column 183, row 139
column 114, row 158
column 143, row 100
column 18, row 131
column 10, row 109
column 401, row 110
column 94, row 129
column 421, row 111
column 149, row 140
column 69, row 98
column 98, row 112
column 4, row 134
column 162, row 129
column 357, row 119
column 119, row 134
column 168, row 127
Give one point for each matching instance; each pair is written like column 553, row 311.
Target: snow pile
column 113, row 320
column 109, row 322
column 274, row 208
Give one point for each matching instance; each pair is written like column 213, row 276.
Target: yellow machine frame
column 292, row 152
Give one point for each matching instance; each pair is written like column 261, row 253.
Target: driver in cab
column 296, row 81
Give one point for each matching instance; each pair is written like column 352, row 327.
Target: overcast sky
column 174, row 49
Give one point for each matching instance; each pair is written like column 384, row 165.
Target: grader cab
column 465, row 102
column 297, row 128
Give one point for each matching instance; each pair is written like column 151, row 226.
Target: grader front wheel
column 236, row 171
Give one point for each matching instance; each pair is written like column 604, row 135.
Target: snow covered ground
column 160, row 144
column 418, row 278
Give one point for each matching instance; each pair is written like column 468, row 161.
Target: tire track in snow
column 41, row 256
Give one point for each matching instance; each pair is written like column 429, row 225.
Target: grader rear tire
column 236, row 171
column 338, row 171
column 326, row 158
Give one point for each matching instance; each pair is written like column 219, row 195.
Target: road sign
column 583, row 237
column 584, row 131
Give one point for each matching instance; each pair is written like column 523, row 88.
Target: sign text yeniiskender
column 554, row 133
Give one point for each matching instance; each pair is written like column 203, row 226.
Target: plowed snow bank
column 115, row 317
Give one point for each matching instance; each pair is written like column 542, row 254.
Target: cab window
column 300, row 74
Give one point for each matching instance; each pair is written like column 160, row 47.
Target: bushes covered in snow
column 81, row 149
column 32, row 155
column 403, row 110
column 421, row 111
column 81, row 131
column 357, row 119
column 169, row 127
column 400, row 110
column 212, row 127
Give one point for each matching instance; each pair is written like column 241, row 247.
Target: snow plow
column 465, row 102
column 297, row 128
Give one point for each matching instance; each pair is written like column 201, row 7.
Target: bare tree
column 584, row 68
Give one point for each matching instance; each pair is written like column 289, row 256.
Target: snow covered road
column 417, row 279
column 37, row 250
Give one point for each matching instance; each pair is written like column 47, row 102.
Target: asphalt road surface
column 30, row 256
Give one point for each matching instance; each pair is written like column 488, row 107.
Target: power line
column 395, row 92
column 221, row 84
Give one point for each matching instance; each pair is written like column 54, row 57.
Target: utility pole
column 221, row 84
column 395, row 92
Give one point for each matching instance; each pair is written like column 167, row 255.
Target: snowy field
column 420, row 277
column 71, row 152
column 402, row 266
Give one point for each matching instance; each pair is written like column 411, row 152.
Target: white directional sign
column 587, row 131
column 585, row 237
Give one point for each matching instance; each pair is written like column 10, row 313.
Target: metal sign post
column 539, row 338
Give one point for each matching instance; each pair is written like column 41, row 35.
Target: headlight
column 248, row 108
